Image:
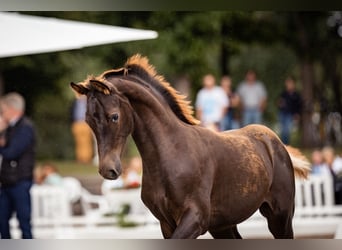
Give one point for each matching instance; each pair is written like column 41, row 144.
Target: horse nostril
column 110, row 169
column 112, row 174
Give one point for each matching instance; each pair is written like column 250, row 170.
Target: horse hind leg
column 279, row 223
column 228, row 233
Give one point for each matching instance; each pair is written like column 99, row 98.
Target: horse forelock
column 140, row 67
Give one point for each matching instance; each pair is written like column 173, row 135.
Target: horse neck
column 153, row 119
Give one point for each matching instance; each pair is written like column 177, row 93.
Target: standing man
column 253, row 98
column 211, row 103
column 18, row 160
column 290, row 108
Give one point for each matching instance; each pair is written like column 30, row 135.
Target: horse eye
column 115, row 118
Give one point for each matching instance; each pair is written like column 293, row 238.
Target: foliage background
column 190, row 44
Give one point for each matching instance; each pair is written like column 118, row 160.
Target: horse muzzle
column 111, row 170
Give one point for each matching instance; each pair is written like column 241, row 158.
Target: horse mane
column 139, row 66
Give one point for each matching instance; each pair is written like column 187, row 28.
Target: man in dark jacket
column 290, row 107
column 18, row 160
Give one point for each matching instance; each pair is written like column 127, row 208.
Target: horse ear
column 101, row 86
column 80, row 89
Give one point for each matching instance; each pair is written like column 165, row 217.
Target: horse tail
column 301, row 165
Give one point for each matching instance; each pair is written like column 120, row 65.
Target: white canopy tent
column 26, row 34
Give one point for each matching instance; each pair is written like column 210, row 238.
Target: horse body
column 194, row 180
column 229, row 190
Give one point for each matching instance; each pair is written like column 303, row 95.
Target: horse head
column 110, row 116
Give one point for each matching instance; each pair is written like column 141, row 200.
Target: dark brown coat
column 194, row 180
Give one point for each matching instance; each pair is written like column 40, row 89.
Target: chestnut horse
column 194, row 180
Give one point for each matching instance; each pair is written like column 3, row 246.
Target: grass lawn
column 72, row 168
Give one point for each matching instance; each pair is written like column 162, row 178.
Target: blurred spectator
column 253, row 97
column 211, row 103
column 48, row 175
column 18, row 160
column 318, row 167
column 229, row 120
column 81, row 131
column 133, row 173
column 332, row 160
column 334, row 163
column 290, row 107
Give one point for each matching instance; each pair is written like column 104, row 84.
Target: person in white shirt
column 211, row 103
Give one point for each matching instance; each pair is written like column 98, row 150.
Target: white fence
column 315, row 213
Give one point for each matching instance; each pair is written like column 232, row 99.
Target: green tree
column 190, row 44
column 318, row 51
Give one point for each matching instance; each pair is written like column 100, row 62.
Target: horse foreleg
column 191, row 225
column 167, row 230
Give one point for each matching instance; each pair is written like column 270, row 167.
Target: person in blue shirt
column 18, row 160
column 253, row 96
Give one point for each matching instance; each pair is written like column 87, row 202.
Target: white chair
column 73, row 188
column 118, row 197
column 91, row 203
